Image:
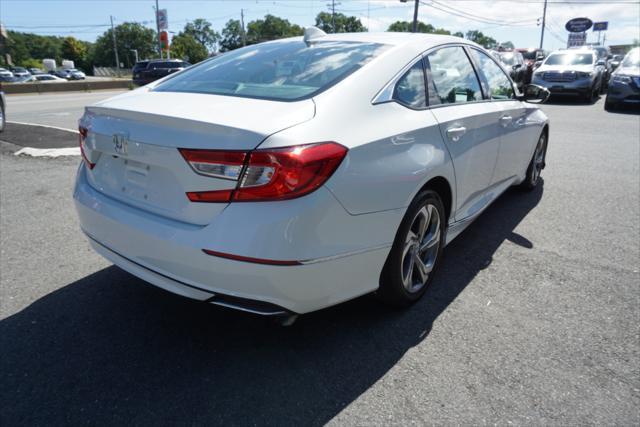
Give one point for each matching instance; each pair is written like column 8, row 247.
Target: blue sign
column 601, row 26
column 578, row 25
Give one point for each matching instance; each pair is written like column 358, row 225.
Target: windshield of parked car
column 570, row 59
column 632, row 59
column 508, row 59
column 281, row 71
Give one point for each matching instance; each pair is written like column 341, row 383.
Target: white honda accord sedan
column 292, row 175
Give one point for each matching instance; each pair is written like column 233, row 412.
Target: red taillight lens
column 82, row 135
column 287, row 173
column 266, row 175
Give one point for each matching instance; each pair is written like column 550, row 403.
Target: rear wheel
column 536, row 165
column 608, row 105
column 416, row 251
column 2, row 117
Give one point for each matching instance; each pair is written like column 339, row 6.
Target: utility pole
column 158, row 29
column 544, row 21
column 332, row 6
column 243, row 34
column 115, row 45
column 414, row 29
column 135, row 51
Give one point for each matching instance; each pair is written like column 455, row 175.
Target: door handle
column 505, row 121
column 455, row 133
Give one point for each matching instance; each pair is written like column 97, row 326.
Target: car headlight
column 583, row 75
column 622, row 79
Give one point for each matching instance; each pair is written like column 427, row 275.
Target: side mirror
column 535, row 94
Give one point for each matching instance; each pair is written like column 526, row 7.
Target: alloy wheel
column 421, row 248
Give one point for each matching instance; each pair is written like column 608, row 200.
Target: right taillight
column 266, row 175
column 82, row 135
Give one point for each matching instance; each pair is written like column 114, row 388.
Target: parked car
column 615, row 61
column 5, row 73
column 61, row 73
column 20, row 72
column 75, row 74
column 531, row 56
column 572, row 72
column 624, row 87
column 35, row 71
column 513, row 61
column 157, row 69
column 280, row 191
column 48, row 78
column 10, row 78
column 3, row 106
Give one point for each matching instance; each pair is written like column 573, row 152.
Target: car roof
column 415, row 41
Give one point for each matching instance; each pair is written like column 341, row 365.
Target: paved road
column 533, row 318
column 56, row 109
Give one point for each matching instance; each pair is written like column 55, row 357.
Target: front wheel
column 536, row 165
column 416, row 251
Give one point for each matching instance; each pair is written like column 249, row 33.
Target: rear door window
column 452, row 77
column 410, row 90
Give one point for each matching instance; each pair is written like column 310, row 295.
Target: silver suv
column 572, row 72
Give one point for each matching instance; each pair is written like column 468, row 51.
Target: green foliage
column 343, row 23
column 185, row 46
column 231, row 36
column 507, row 45
column 32, row 63
column 73, row 49
column 485, row 41
column 406, row 27
column 458, row 34
column 271, row 28
column 129, row 36
column 24, row 46
column 202, row 31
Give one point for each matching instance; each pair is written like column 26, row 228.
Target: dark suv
column 144, row 72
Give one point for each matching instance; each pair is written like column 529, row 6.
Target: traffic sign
column 601, row 26
column 163, row 20
column 578, row 25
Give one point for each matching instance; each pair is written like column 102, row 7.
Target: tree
column 507, row 45
column 458, row 34
column 406, row 27
column 231, row 36
column 477, row 37
column 271, row 28
column 186, row 46
column 343, row 23
column 201, row 30
column 73, row 49
column 129, row 36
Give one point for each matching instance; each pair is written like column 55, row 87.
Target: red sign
column 164, row 40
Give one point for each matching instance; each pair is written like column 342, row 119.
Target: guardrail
column 31, row 87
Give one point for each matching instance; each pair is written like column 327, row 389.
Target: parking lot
column 533, row 317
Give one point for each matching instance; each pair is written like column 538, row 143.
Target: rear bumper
column 169, row 254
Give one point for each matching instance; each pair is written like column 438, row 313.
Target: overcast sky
column 514, row 20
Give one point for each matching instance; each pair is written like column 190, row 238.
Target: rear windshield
column 529, row 54
column 570, row 59
column 281, row 71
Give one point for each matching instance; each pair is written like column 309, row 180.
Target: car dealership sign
column 578, row 25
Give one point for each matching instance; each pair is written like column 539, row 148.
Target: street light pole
column 544, row 19
column 158, row 29
column 135, row 51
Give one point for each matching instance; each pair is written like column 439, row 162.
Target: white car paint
column 134, row 210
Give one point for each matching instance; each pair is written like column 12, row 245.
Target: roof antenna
column 312, row 34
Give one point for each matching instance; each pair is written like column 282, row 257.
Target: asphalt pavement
column 54, row 109
column 533, row 317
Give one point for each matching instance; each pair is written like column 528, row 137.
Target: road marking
column 44, row 126
column 48, row 152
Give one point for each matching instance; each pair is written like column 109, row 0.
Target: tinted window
column 452, row 76
column 284, row 70
column 499, row 84
column 410, row 89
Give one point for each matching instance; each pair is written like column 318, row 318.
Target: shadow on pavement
column 38, row 136
column 110, row 349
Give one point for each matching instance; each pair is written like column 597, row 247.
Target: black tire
column 590, row 97
column 608, row 105
column 537, row 164
column 3, row 118
column 392, row 285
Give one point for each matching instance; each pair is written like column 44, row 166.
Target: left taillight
column 82, row 136
column 266, row 175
